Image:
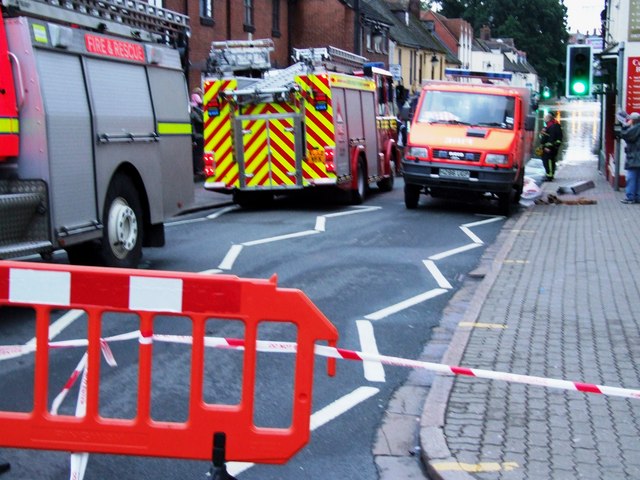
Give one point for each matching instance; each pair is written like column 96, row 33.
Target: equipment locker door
column 268, row 152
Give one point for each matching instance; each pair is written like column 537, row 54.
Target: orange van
column 469, row 139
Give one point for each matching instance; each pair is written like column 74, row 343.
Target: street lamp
column 434, row 61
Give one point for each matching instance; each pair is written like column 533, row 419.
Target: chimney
column 414, row 8
column 485, row 33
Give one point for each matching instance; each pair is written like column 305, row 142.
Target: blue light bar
column 459, row 72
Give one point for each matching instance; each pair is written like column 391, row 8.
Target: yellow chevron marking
column 320, row 82
column 312, row 173
column 259, row 177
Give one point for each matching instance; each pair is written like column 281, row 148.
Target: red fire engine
column 312, row 124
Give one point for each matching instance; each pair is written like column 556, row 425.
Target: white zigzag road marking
column 234, row 251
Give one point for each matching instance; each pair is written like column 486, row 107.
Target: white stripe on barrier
column 155, row 294
column 39, row 287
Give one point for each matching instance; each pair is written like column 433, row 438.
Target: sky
column 584, row 15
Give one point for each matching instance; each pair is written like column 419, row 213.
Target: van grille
column 456, row 155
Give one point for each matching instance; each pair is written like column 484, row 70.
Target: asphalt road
column 381, row 273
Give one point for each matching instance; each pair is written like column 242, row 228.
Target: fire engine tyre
column 411, row 196
column 122, row 225
column 358, row 194
column 386, row 184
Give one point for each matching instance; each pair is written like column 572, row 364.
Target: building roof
column 413, row 34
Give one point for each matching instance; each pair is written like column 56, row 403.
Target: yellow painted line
column 475, row 467
column 482, row 325
column 519, row 262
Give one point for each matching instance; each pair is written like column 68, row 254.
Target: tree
column 540, row 31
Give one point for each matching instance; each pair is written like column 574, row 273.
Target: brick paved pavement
column 563, row 289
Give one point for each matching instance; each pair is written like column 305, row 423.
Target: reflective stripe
column 9, row 125
column 174, row 128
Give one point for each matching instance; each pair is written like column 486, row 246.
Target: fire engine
column 327, row 120
column 95, row 133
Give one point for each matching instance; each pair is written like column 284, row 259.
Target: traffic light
column 579, row 74
column 546, row 92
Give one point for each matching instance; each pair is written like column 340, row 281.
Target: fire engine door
column 269, row 150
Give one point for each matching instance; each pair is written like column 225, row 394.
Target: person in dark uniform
column 550, row 140
column 197, row 122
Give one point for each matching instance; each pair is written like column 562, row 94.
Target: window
column 468, row 109
column 248, row 16
column 206, row 11
column 275, row 18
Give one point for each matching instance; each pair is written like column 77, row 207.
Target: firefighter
column 550, row 140
column 197, row 135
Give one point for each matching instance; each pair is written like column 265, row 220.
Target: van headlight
column 496, row 159
column 418, row 152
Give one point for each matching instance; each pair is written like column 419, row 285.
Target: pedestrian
column 550, row 140
column 197, row 134
column 631, row 135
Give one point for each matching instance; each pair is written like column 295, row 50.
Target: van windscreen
column 460, row 108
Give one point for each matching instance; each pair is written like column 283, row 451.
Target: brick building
column 217, row 20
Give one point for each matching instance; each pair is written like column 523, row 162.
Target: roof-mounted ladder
column 126, row 18
column 237, row 55
column 329, row 57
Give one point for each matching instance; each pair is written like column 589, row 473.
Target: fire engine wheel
column 122, row 234
column 358, row 194
column 386, row 184
column 411, row 196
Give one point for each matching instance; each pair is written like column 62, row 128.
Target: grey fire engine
column 95, row 128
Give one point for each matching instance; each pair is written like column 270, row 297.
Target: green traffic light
column 579, row 87
column 546, row 93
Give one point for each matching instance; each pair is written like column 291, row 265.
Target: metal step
column 24, row 248
column 21, row 216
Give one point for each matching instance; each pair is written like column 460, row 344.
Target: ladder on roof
column 236, row 55
column 277, row 82
column 127, row 18
column 329, row 57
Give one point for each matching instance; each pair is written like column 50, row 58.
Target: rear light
column 320, row 101
column 329, row 154
column 213, row 108
column 209, row 164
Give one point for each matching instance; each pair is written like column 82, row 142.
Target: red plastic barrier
column 199, row 297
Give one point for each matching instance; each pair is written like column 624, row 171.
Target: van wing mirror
column 530, row 123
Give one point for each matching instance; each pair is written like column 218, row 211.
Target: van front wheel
column 411, row 196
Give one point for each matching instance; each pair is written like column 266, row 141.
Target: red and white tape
column 10, row 351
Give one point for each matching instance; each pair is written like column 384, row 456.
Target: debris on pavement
column 551, row 199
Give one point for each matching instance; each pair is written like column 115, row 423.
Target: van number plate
column 449, row 172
